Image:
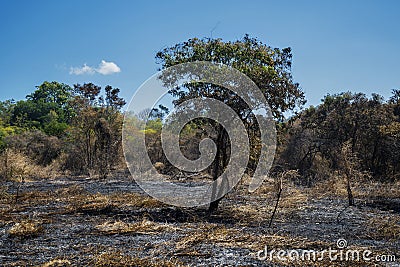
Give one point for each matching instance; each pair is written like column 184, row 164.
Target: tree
column 269, row 68
column 6, row 111
column 347, row 133
column 47, row 109
column 96, row 129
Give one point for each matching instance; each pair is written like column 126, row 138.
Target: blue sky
column 337, row 45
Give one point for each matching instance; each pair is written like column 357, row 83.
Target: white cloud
column 105, row 68
column 82, row 70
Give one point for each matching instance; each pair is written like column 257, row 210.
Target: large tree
column 47, row 109
column 269, row 68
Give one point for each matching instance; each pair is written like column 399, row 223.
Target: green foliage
column 56, row 119
column 6, row 131
column 47, row 109
column 55, row 128
column 153, row 126
column 159, row 112
column 269, row 68
column 6, row 111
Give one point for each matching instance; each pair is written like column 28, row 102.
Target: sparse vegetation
column 66, row 198
column 384, row 227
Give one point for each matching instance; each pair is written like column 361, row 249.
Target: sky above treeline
column 337, row 45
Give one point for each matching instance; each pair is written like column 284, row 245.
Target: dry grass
column 19, row 165
column 143, row 227
column 267, row 188
column 57, row 263
column 363, row 188
column 81, row 202
column 231, row 237
column 201, row 236
column 89, row 204
column 25, row 229
column 235, row 238
column 370, row 189
column 333, row 187
column 117, row 258
column 258, row 209
column 293, row 198
column 4, row 195
column 72, row 190
column 384, row 227
column 35, row 197
column 234, row 226
column 250, row 214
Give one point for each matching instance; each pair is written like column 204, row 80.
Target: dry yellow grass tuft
column 144, row 227
column 25, row 229
column 293, row 198
column 258, row 209
column 194, row 238
column 57, row 263
column 89, row 204
column 82, row 202
column 249, row 213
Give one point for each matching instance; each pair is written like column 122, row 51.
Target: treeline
column 347, row 134
column 59, row 128
column 77, row 130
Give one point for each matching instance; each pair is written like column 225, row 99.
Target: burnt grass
column 80, row 221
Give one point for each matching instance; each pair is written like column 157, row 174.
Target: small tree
column 349, row 165
column 96, row 130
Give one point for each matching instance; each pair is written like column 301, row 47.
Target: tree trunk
column 278, row 197
column 349, row 192
column 219, row 164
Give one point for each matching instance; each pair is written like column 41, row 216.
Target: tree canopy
column 269, row 68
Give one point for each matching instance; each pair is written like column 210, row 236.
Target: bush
column 37, row 146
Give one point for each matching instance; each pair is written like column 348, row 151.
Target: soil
column 82, row 221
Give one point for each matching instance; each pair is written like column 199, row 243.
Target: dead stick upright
column 279, row 187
